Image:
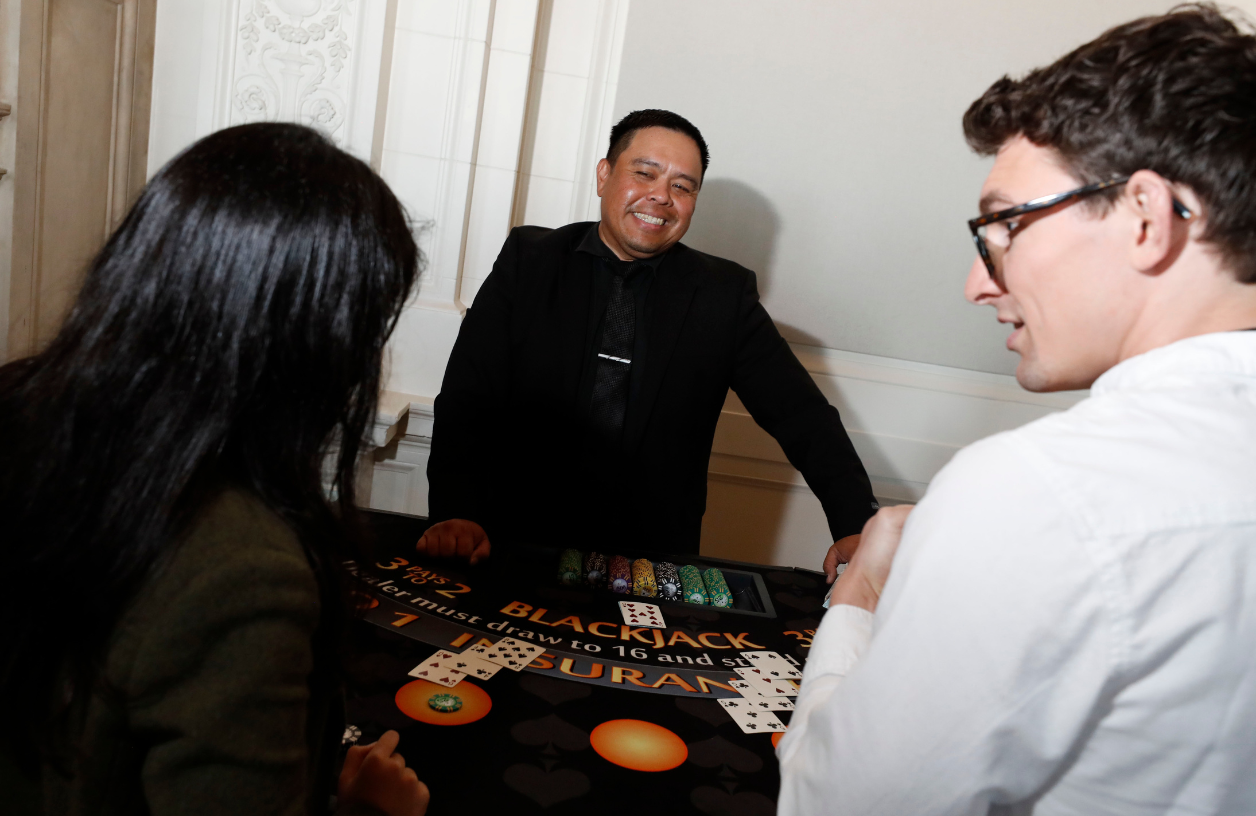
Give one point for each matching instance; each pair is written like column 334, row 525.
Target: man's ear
column 603, row 173
column 1159, row 233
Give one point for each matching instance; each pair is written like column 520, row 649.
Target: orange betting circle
column 413, row 696
column 638, row 745
column 776, row 738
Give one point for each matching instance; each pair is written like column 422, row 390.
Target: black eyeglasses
column 993, row 233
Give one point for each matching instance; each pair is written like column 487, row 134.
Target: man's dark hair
column 1174, row 93
column 621, row 134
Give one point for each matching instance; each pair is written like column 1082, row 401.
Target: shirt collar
column 593, row 244
column 1230, row 353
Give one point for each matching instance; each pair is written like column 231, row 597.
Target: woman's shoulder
column 237, row 563
column 235, row 524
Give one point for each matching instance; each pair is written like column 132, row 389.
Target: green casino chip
column 692, row 588
column 446, row 703
column 717, row 588
column 569, row 571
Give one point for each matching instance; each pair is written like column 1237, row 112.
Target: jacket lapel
column 571, row 314
column 670, row 296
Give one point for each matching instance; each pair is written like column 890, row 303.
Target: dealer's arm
column 476, row 382
column 785, row 401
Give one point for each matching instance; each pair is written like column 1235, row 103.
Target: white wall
column 839, row 170
column 10, row 30
column 838, row 173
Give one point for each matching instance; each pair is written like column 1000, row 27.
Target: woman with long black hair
column 170, row 607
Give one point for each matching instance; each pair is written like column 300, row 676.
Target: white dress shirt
column 1069, row 626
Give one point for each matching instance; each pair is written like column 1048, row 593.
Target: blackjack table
column 609, row 718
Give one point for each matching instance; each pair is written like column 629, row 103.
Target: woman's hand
column 376, row 775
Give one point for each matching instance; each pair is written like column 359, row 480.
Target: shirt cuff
column 840, row 642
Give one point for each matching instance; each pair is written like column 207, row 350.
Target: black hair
column 229, row 333
column 1173, row 93
column 621, row 134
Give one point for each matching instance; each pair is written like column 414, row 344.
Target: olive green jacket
column 205, row 704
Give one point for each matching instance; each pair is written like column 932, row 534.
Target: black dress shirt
column 639, row 284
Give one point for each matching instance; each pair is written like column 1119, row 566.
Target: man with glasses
column 1069, row 622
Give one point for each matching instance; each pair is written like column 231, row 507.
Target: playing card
column 756, row 722
column 766, row 687
column 757, row 704
column 641, row 614
column 508, row 653
column 744, row 689
column 471, row 666
column 433, row 669
column 773, row 665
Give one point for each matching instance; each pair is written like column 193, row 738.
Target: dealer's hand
column 456, row 537
column 840, row 553
column 869, row 569
column 377, row 775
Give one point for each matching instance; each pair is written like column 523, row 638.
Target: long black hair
column 230, row 332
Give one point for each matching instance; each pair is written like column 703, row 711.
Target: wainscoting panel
column 906, row 421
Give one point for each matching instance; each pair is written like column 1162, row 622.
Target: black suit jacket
column 509, row 449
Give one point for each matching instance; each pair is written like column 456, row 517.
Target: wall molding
column 906, row 420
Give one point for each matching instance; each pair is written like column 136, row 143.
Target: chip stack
column 643, row 582
column 569, row 563
column 444, row 703
column 691, row 585
column 717, row 588
column 668, row 581
column 620, row 576
column 595, row 569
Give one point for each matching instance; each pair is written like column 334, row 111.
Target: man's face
column 1065, row 285
column 648, row 195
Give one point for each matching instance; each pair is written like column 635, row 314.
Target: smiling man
column 1068, row 625
column 580, row 401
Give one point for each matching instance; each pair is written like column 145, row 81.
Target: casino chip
column 691, row 585
column 668, row 578
column 620, row 575
column 569, row 567
column 595, row 569
column 351, row 736
column 717, row 588
column 445, row 703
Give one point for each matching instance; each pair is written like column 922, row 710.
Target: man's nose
column 661, row 192
column 980, row 287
